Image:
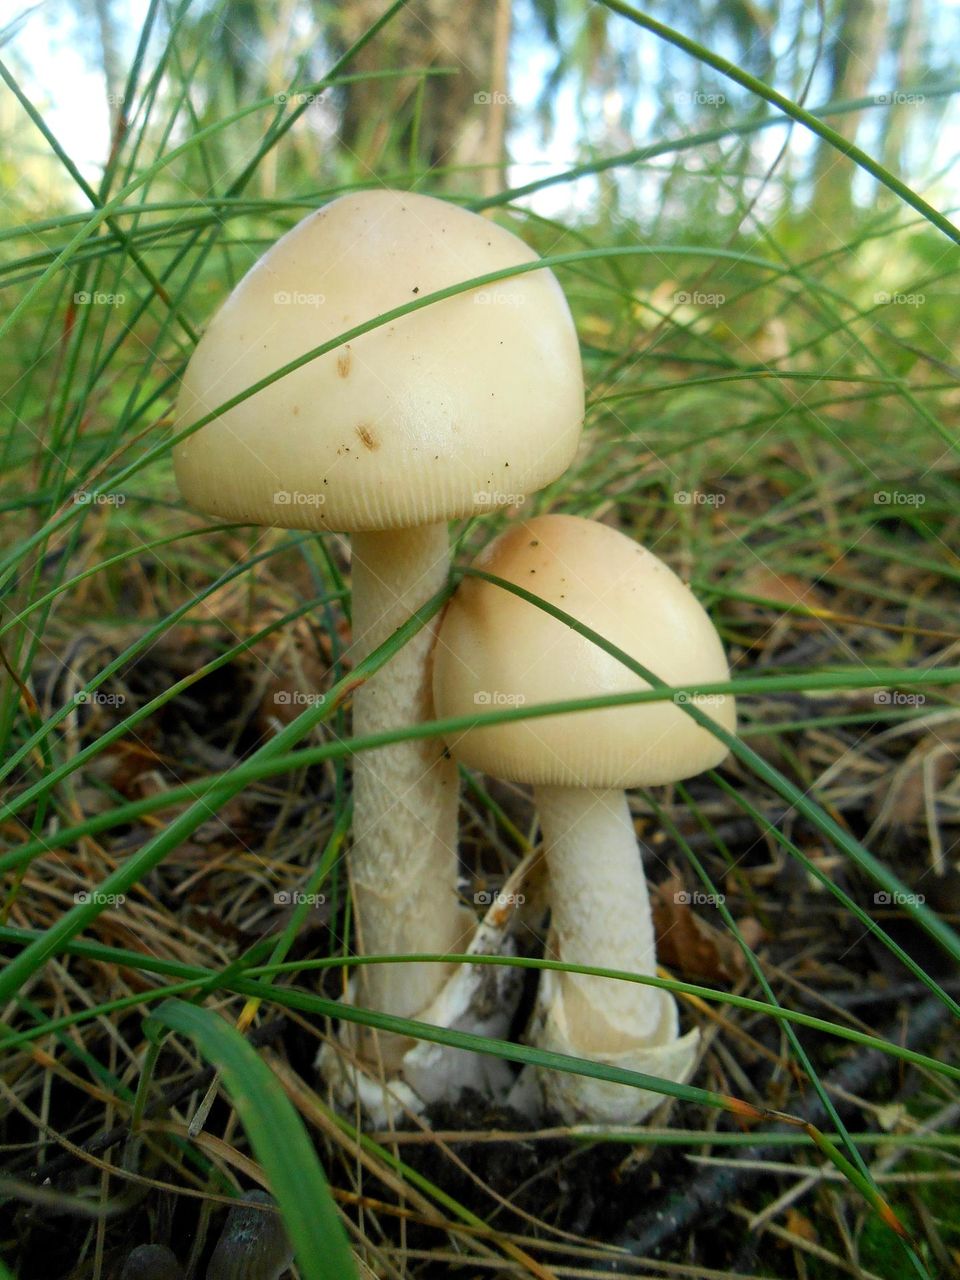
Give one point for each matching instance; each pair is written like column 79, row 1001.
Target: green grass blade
column 277, row 1136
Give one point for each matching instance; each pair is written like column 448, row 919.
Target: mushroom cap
column 495, row 650
column 254, row 1245
column 151, row 1262
column 463, row 405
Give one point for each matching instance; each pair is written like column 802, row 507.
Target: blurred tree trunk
column 908, row 63
column 113, row 73
column 494, row 148
column 852, row 58
column 455, row 125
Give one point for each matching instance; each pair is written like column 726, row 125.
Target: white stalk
column 404, row 858
column 600, row 916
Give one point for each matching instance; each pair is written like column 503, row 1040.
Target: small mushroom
column 253, row 1244
column 151, row 1262
column 465, row 405
column 496, row 649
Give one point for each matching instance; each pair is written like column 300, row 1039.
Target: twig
column 705, row 1197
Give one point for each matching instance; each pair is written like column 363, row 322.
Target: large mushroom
column 458, row 407
column 498, row 649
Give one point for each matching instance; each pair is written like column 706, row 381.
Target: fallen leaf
column 780, row 588
column 689, row 944
column 798, row 1224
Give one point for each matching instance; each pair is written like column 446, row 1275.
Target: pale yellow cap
column 496, row 650
column 464, row 405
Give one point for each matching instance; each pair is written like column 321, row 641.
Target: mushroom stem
column 600, row 915
column 404, row 857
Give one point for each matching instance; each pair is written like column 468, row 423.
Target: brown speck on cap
column 446, row 362
column 367, row 438
column 295, row 410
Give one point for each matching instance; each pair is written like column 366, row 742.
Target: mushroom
column 253, row 1244
column 496, row 649
column 463, row 405
column 151, row 1262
